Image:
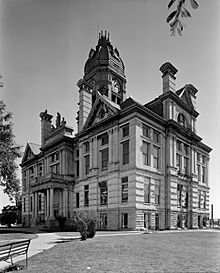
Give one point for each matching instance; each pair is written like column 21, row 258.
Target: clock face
column 115, row 86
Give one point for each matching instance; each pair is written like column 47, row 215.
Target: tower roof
column 104, row 54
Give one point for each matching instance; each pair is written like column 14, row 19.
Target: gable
column 31, row 151
column 101, row 110
column 188, row 95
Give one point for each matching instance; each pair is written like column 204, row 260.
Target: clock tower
column 103, row 73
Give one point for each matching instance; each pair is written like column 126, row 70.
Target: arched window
column 182, row 120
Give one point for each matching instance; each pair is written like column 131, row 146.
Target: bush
column 86, row 225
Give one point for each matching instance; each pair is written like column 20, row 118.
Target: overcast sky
column 44, row 45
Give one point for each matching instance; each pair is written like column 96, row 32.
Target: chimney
column 45, row 126
column 85, row 103
column 168, row 75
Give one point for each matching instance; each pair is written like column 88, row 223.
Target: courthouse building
column 132, row 165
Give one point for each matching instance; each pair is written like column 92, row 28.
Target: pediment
column 31, row 151
column 101, row 110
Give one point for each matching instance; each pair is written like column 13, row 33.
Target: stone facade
column 132, row 165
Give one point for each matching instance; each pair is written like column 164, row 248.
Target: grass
column 160, row 252
column 7, row 237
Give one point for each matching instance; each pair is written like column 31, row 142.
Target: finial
column 105, row 34
column 108, row 36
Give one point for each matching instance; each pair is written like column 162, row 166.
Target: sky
column 44, row 45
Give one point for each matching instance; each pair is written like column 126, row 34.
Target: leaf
column 172, row 14
column 171, row 3
column 179, row 31
column 194, row 4
column 185, row 12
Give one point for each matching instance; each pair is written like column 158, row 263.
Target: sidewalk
column 41, row 242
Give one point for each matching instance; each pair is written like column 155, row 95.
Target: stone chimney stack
column 45, row 126
column 168, row 76
column 85, row 103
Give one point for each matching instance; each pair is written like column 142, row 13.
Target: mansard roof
column 182, row 97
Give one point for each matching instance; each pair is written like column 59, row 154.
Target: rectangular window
column 204, row 200
column 179, row 195
column 146, row 131
column 104, row 159
column 125, row 130
column 147, row 191
column 157, row 192
column 77, row 153
column 104, row 139
column 124, row 189
column 179, row 145
column 86, row 195
column 156, row 136
column 186, row 165
column 125, row 153
column 31, row 171
column 178, row 162
column 203, row 159
column 86, row 147
column 124, row 220
column 77, row 168
column 103, row 193
column 156, row 154
column 146, row 153
column 203, row 174
column 77, row 200
column 199, row 172
column 186, row 149
column 198, row 157
column 24, row 180
column 55, row 168
column 86, row 161
column 186, row 200
column 199, row 199
column 55, row 156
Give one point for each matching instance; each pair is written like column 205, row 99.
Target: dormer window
column 182, row 120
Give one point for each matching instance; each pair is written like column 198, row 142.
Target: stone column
column 116, row 144
column 51, row 203
column 174, row 151
column 110, row 146
column 80, row 160
column 48, row 203
column 91, row 153
column 60, row 202
column 95, row 149
column 35, row 204
column 65, row 203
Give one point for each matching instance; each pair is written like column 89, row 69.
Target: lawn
column 157, row 252
column 7, row 237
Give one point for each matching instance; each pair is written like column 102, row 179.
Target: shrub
column 86, row 225
column 91, row 226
